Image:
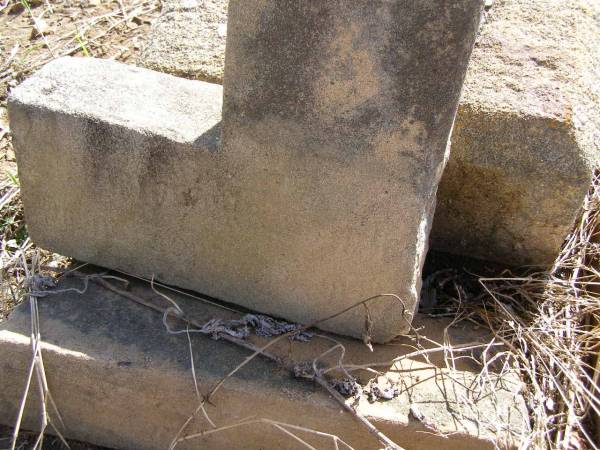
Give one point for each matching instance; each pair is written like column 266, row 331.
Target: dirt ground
column 33, row 32
column 27, row 440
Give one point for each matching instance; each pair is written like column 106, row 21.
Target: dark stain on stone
column 157, row 156
column 291, row 34
column 101, row 141
column 427, row 81
column 292, row 42
column 188, row 198
column 417, row 61
column 107, row 147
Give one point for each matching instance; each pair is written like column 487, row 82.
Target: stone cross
column 316, row 191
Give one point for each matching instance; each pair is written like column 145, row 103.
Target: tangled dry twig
column 548, row 320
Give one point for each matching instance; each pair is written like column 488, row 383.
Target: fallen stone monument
column 321, row 193
column 121, row 381
column 526, row 134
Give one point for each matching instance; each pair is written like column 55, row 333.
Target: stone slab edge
column 121, row 381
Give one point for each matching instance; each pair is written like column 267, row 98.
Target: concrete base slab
column 120, row 380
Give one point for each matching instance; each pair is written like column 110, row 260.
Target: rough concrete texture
column 527, row 136
column 188, row 40
column 526, row 133
column 276, row 219
column 120, row 380
column 336, row 118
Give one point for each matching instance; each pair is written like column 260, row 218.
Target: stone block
column 188, row 40
column 527, row 134
column 121, row 381
column 337, row 118
column 315, row 200
column 525, row 139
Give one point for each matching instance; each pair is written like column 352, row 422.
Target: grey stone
column 527, row 134
column 337, row 118
column 188, row 40
column 131, row 175
column 120, row 380
column 525, row 139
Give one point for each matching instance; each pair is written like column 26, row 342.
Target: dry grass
column 555, row 338
column 548, row 321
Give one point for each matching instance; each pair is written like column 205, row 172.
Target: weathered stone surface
column 277, row 219
column 188, row 40
column 120, row 380
column 526, row 133
column 337, row 117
